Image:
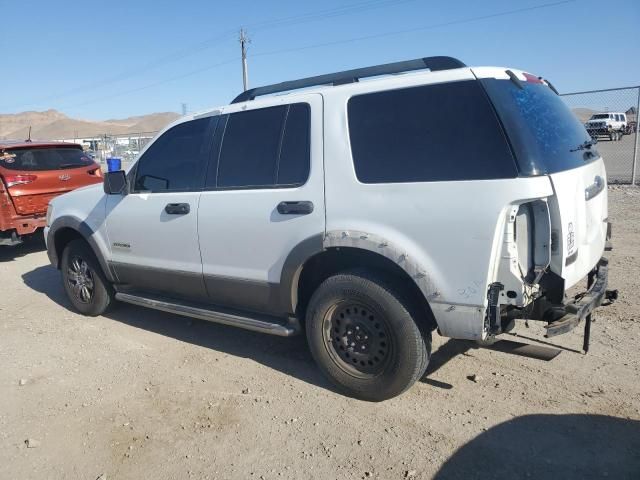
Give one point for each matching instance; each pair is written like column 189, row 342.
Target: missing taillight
column 13, row 180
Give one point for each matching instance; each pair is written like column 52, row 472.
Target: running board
column 256, row 323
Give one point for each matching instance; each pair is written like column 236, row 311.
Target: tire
column 83, row 279
column 359, row 309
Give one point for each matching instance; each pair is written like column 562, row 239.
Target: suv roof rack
column 352, row 76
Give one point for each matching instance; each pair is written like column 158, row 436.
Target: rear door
column 153, row 230
column 34, row 175
column 264, row 198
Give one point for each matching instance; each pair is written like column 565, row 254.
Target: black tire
column 357, row 310
column 81, row 273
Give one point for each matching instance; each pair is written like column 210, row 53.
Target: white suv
column 349, row 208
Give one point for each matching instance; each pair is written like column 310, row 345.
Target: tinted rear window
column 429, row 133
column 544, row 133
column 38, row 159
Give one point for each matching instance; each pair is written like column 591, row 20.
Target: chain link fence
column 611, row 116
column 124, row 146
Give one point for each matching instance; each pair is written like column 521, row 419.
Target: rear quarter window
column 441, row 132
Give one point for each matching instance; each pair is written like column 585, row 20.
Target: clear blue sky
column 98, row 60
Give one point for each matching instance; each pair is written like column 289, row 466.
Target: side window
column 250, row 148
column 177, row 160
column 265, row 147
column 295, row 154
column 430, row 133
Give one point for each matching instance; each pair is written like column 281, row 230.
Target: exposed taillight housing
column 13, row 180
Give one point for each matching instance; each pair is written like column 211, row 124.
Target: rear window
column 37, row 159
column 429, row 133
column 546, row 136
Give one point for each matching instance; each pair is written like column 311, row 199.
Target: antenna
column 29, row 138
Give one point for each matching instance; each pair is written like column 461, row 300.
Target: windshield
column 600, row 116
column 544, row 133
column 49, row 158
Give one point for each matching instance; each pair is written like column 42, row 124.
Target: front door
column 153, row 230
column 264, row 198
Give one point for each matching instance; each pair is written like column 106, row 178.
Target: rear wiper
column 70, row 165
column 585, row 145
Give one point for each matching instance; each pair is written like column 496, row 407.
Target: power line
column 416, row 29
column 155, row 84
column 337, row 42
column 193, row 49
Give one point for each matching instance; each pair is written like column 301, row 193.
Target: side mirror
column 115, row 183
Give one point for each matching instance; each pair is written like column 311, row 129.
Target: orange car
column 31, row 174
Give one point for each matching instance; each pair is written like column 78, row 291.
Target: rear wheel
column 366, row 337
column 83, row 279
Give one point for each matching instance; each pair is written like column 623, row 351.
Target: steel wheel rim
column 357, row 338
column 80, row 280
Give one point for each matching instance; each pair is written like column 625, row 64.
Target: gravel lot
column 143, row 394
column 618, row 157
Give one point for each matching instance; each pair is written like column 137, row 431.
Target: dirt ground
column 142, row 394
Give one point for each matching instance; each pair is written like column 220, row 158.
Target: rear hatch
column 548, row 139
column 33, row 175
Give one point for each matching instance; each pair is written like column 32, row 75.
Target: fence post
column 635, row 146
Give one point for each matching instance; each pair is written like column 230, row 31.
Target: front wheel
column 87, row 288
column 366, row 337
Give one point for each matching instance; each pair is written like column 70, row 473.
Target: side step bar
column 256, row 323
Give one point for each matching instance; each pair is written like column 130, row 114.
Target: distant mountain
column 51, row 124
column 583, row 114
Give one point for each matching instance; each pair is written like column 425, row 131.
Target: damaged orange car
column 31, row 174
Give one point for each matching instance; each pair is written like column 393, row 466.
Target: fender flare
column 319, row 243
column 381, row 246
column 86, row 232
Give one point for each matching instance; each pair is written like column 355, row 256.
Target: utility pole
column 244, row 41
column 184, row 109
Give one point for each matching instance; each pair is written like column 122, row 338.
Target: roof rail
column 352, row 76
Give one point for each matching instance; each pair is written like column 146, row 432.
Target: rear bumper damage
column 14, row 225
column 585, row 303
column 563, row 316
column 12, row 230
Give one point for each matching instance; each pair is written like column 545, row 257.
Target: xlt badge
column 571, row 238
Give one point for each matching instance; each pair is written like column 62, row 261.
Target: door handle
column 295, row 208
column 177, row 208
